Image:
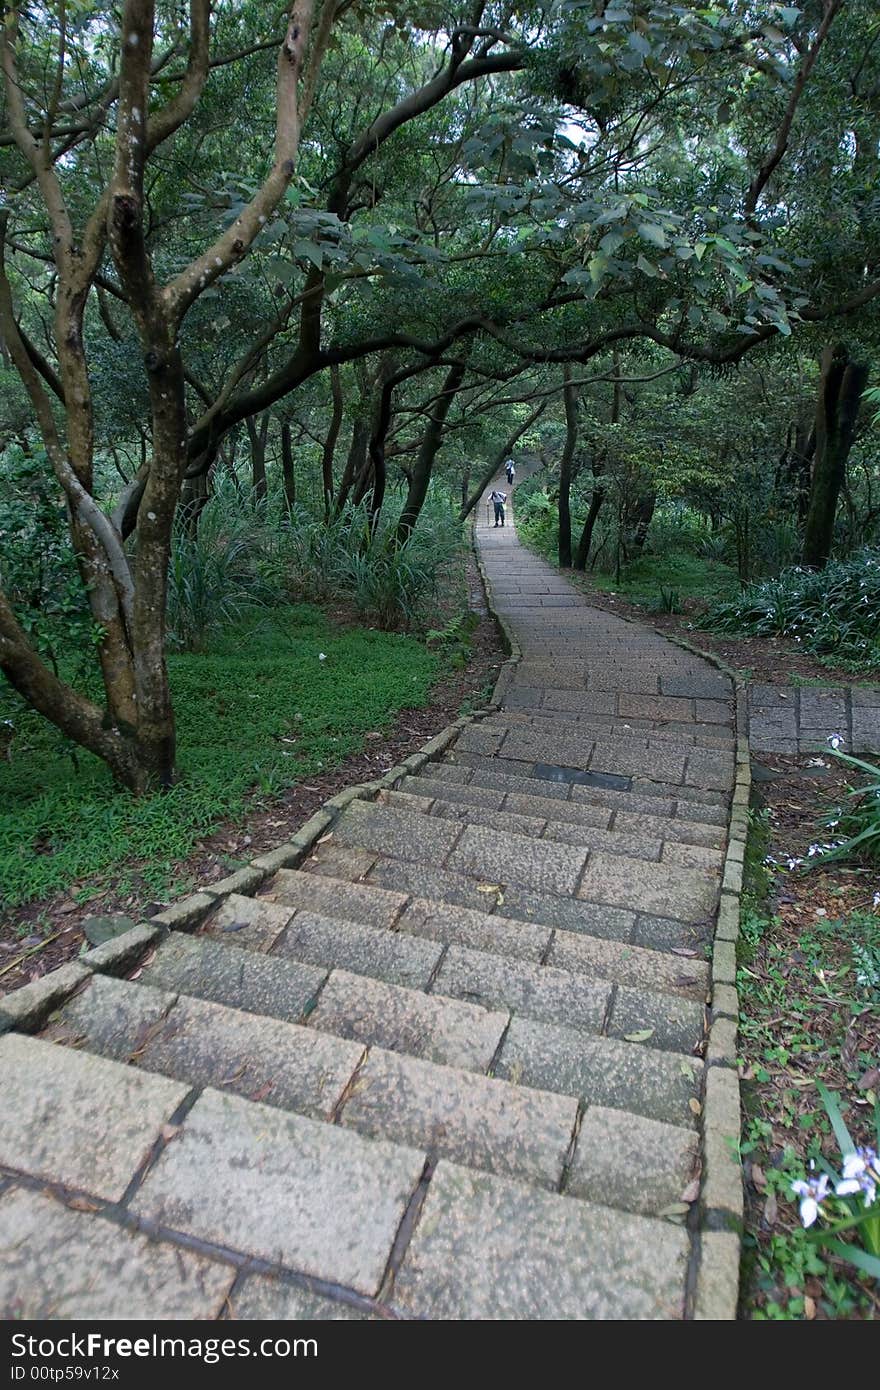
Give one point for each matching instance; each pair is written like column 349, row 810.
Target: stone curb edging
column 722, row 1207
column 28, row 1008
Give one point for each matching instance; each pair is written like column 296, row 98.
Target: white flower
column 877, row 899
column 812, row 1192
column 322, row 656
column 861, row 1171
column 835, row 740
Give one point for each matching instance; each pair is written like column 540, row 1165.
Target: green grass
column 689, row 575
column 260, row 713
column 642, row 579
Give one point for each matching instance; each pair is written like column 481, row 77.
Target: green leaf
column 646, row 267
column 855, row 1255
column 841, row 1133
column 642, row 1035
column 653, row 233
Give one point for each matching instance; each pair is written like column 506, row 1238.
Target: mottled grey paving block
column 627, row 801
column 489, row 1248
column 352, row 901
column 475, row 740
column 63, row 1265
column 613, row 841
column 569, row 914
column 632, row 759
column 445, row 772
column 557, row 810
column 529, row 746
column 823, row 709
column 422, row 881
column 629, row 965
column 627, row 1161
column 625, row 1076
column 700, row 813
column 257, row 1058
column 468, row 795
column 495, row 820
column 111, row 1016
column 665, row 934
column 692, row 856
column 865, row 729
column 309, row 1196
column 713, row 770
column 365, row 950
column 708, row 686
column 523, row 697
column 506, row 781
column 242, row 979
column 714, row 711
column 72, row 1118
column 688, row 894
column 655, row 707
column 580, row 701
column 464, row 926
column 251, row 922
column 388, row 830
column 549, row 868
column 666, row 828
column 335, row 860
column 263, row 1299
column 403, row 1020
column 475, row 1120
column 670, row 1022
column 536, row 991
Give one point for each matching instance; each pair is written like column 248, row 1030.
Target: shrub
column 833, row 612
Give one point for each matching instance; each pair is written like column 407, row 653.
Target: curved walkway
column 450, row 1065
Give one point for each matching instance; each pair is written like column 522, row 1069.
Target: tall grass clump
column 220, row 568
column 833, row 613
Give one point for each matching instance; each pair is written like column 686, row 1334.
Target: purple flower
column 812, row 1192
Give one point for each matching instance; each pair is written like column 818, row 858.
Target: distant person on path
column 498, row 500
column 510, row 470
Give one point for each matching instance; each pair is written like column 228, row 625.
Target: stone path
column 788, row 719
column 452, row 1066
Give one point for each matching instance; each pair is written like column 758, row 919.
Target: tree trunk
column 583, row 547
column 354, row 464
column 288, row 471
column 257, row 436
column 330, row 441
column 841, row 384
column 430, row 445
column 569, row 396
column 643, row 516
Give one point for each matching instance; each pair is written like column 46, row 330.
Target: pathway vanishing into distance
column 450, row 1067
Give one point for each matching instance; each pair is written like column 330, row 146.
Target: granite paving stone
column 473, row 1119
column 449, row 1031
column 66, row 1265
column 310, row 1197
column 201, row 966
column 72, row 1118
column 489, row 1248
column 630, row 1162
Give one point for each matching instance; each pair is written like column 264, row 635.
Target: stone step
column 556, row 811
column 637, row 795
column 442, row 895
column 490, row 1124
column 483, row 853
column 618, row 840
column 569, row 725
column 548, row 994
column 411, row 953
column 617, row 1074
column 490, row 1248
column 483, row 1122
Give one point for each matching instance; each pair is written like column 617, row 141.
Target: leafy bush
column 831, row 612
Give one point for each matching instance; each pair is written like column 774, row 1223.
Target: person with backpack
column 510, row 470
column 498, row 500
